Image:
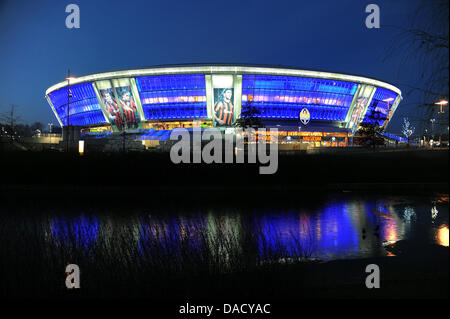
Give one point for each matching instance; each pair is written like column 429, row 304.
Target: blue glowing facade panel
column 177, row 96
column 83, row 105
column 170, row 97
column 283, row 97
column 382, row 99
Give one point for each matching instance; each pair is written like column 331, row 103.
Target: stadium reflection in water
column 338, row 229
column 81, row 232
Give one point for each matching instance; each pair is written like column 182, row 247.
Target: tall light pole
column 68, row 111
column 432, row 125
column 425, row 137
column 50, row 127
column 390, row 99
column 69, row 95
column 441, row 103
column 12, row 121
column 432, row 128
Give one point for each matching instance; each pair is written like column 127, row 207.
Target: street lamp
column 69, row 95
column 50, row 126
column 389, row 99
column 441, row 103
column 432, row 126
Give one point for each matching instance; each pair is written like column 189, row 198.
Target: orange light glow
column 389, row 254
column 391, row 231
column 442, row 235
column 81, row 147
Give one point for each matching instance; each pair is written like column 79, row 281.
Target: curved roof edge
column 226, row 68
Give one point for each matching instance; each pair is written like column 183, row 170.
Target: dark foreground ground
column 57, row 175
column 385, row 169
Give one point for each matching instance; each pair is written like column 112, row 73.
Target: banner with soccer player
column 359, row 107
column 113, row 109
column 128, row 107
column 223, row 108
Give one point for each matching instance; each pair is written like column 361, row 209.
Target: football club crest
column 304, row 116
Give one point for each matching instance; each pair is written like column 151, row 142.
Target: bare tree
column 426, row 44
column 10, row 120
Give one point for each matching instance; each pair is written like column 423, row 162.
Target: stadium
column 307, row 107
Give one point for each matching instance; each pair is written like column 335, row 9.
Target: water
column 336, row 227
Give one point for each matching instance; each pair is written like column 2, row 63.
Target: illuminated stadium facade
column 153, row 101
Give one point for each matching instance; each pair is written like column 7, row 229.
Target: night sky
column 36, row 48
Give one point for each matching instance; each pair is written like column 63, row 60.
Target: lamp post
column 432, row 130
column 432, row 126
column 69, row 95
column 50, row 127
column 441, row 103
column 425, row 133
column 390, row 99
column 12, row 122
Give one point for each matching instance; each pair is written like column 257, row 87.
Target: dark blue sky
column 36, row 48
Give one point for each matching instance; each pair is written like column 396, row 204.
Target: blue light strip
column 395, row 137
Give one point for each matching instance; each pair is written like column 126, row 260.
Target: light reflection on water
column 346, row 228
column 81, row 231
column 442, row 235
